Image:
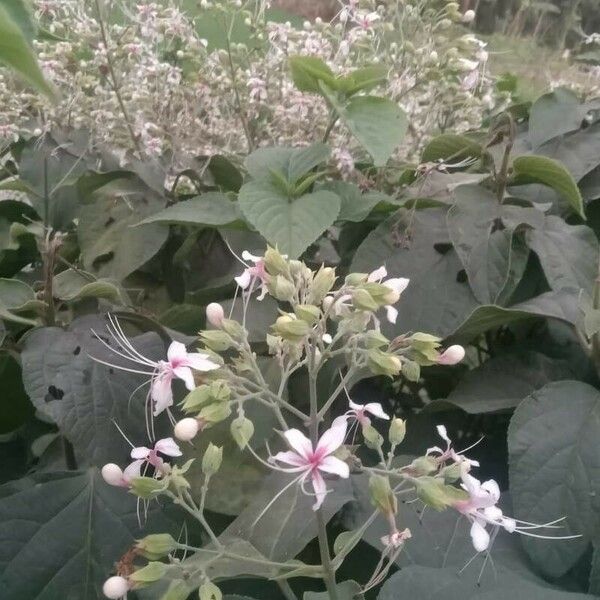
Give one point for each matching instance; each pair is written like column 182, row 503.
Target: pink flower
column 166, row 446
column 114, row 475
column 179, row 365
column 452, row 355
column 359, row 411
column 449, row 453
column 253, row 273
column 311, row 462
column 396, row 538
column 396, row 286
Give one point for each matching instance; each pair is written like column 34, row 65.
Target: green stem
column 286, row 590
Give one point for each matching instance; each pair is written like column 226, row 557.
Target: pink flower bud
column 113, row 475
column 186, row 429
column 215, row 314
column 468, row 17
column 452, row 355
column 115, row 587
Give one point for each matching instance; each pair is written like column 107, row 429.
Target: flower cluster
column 142, row 78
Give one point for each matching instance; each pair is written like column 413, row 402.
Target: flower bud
column 468, row 16
column 452, row 355
column 233, row 328
column 373, row 438
column 212, row 459
column 308, row 313
column 216, row 340
column 435, row 493
column 156, row 546
column 375, row 339
column 411, row 370
column 242, row 430
column 397, row 431
column 215, row 314
column 115, row 587
column 382, row 496
column 451, row 473
column 424, row 465
column 215, row 413
column 322, row 283
column 153, row 571
column 209, row 591
column 362, row 300
column 281, row 288
column 383, row 363
column 112, row 474
column 275, row 263
column 290, row 328
column 354, row 279
column 186, row 429
column 148, row 487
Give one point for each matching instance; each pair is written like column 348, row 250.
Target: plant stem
column 286, row 590
column 328, row 569
column 332, row 121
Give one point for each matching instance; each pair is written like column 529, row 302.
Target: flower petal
column 377, row 274
column 398, row 284
column 291, row 458
column 392, row 314
column 177, row 353
column 141, row 452
column 332, row 464
column 443, row 433
column 492, row 488
column 355, row 406
column 376, row 410
column 160, row 392
column 320, row 488
column 333, row 437
column 201, row 362
column 133, row 470
column 185, row 374
column 244, row 279
column 299, row 442
column 168, row 446
column 480, row 537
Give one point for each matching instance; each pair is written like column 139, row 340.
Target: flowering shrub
column 143, row 78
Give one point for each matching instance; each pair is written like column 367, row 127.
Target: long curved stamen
column 121, row 354
column 277, row 495
column 126, row 343
column 549, row 524
column 113, row 366
column 273, row 465
column 547, row 537
column 472, row 445
column 122, row 433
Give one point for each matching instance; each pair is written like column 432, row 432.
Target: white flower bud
column 215, row 314
column 186, row 429
column 468, row 17
column 112, row 474
column 452, row 355
column 115, row 587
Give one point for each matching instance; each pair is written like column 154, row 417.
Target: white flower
column 359, row 411
column 396, row 286
column 215, row 314
column 186, row 429
column 468, row 16
column 452, row 355
column 253, row 274
column 115, row 587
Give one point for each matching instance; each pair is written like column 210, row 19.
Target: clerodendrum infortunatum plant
column 318, row 322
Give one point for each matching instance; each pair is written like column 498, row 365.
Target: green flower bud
column 233, row 328
column 383, row 363
column 216, row 340
column 209, row 591
column 373, row 439
column 411, row 370
column 308, row 313
column 397, row 431
column 322, row 283
column 290, row 328
column 381, row 294
column 299, row 270
column 242, row 430
column 275, row 264
column 153, row 571
column 177, row 478
column 220, row 391
column 424, row 465
column 375, row 339
column 382, row 496
column 215, row 412
column 434, row 492
column 451, row 473
column 212, row 459
column 362, row 300
column 156, row 546
column 148, row 487
column 353, row 279
column 281, row 288
column 196, row 398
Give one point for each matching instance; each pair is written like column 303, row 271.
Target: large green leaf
column 553, row 174
column 503, row 381
column 346, row 590
column 308, row 71
column 61, row 534
column 451, row 148
column 71, row 285
column 211, row 209
column 377, row 123
column 355, row 205
column 15, row 51
column 110, row 246
column 554, row 114
column 291, row 224
column 83, row 396
column 438, row 298
column 568, row 254
column 555, row 469
column 16, row 297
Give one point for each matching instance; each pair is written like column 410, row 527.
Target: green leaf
column 595, row 571
column 15, row 407
column 212, row 209
column 110, row 246
column 361, row 80
column 346, row 590
column 377, row 123
column 290, row 224
column 503, row 381
column 71, row 285
column 554, row 114
column 17, row 297
column 451, row 148
column 15, row 51
column 568, row 254
column 225, row 174
column 292, row 163
column 556, row 475
column 308, row 71
column 356, row 206
column 553, row 174
column 438, row 299
column 85, row 398
column 61, row 534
